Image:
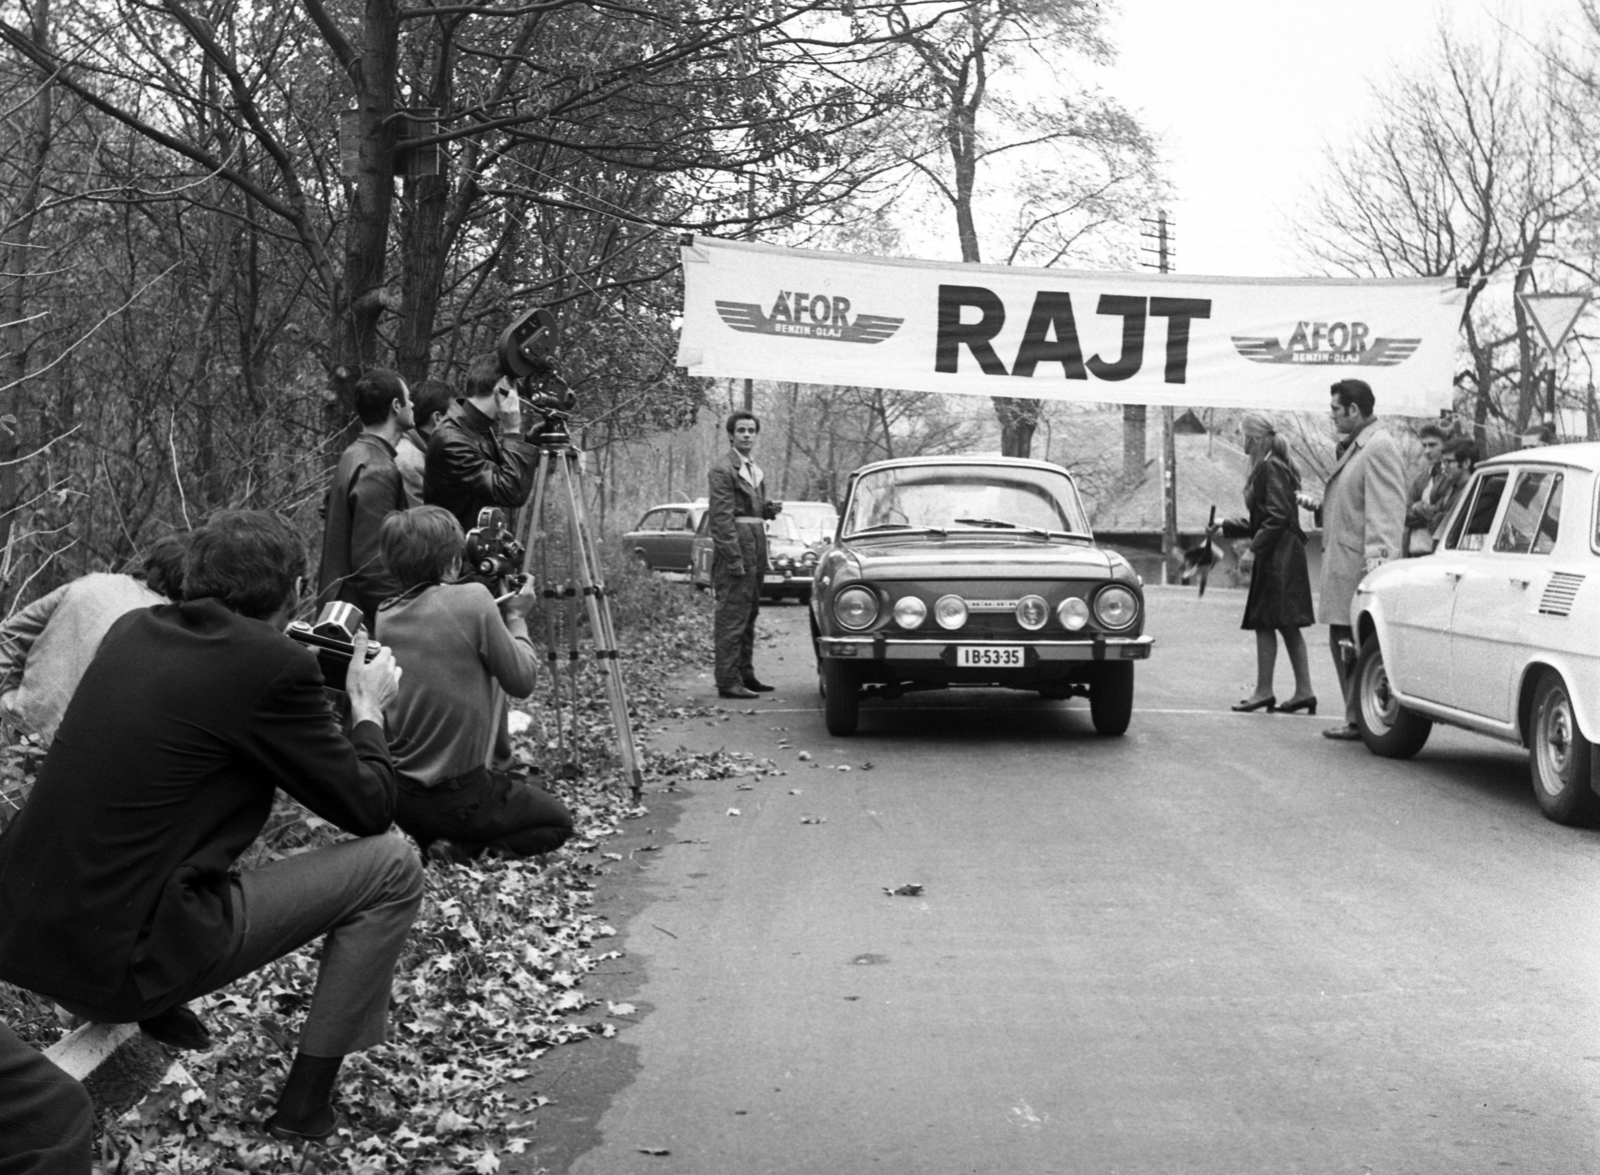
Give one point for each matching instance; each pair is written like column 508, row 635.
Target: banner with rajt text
column 765, row 312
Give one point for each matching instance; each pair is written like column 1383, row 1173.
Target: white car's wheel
column 1559, row 757
column 1387, row 727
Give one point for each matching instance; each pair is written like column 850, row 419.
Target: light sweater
column 459, row 658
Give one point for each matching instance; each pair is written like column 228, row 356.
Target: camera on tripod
column 332, row 636
column 527, row 353
column 492, row 553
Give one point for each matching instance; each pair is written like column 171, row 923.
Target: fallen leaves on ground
column 492, row 976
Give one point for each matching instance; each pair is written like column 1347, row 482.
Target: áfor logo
column 799, row 314
column 1333, row 343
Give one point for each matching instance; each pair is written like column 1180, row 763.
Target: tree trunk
column 1018, row 420
column 16, row 254
column 360, row 299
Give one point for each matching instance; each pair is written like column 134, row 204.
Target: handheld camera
column 332, row 636
column 492, row 554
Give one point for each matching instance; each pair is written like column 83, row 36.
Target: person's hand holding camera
column 510, row 408
column 373, row 684
column 520, row 603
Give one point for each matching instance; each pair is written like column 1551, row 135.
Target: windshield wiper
column 1000, row 524
column 938, row 530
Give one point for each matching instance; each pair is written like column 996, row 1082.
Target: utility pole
column 1169, row 455
column 750, row 235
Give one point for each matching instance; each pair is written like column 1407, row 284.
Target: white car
column 1497, row 630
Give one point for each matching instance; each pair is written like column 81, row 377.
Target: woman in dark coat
column 1279, row 603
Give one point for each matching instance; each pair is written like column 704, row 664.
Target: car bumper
column 936, row 652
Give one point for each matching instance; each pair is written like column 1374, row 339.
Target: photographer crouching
column 465, row 654
column 119, row 893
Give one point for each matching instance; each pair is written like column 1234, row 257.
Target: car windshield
column 783, row 527
column 814, row 520
column 993, row 498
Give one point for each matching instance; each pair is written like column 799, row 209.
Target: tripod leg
column 586, row 560
column 536, row 561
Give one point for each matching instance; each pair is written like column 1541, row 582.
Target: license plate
column 989, row 656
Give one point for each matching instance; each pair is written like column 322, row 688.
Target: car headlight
column 1073, row 613
column 856, row 607
column 950, row 612
column 1032, row 612
column 1116, row 607
column 809, row 558
column 910, row 612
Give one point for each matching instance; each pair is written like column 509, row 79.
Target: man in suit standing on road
column 738, row 508
column 1363, row 512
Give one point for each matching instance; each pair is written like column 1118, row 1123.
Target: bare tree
column 1066, row 167
column 1469, row 169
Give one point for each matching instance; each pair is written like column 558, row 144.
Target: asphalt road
column 1218, row 944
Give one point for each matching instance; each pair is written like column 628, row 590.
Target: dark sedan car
column 664, row 539
column 973, row 571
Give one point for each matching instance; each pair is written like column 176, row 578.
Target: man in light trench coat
column 1363, row 512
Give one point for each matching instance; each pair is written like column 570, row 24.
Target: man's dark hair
column 1354, row 391
column 374, row 392
column 742, row 414
column 1431, row 430
column 162, row 568
column 247, row 559
column 419, row 544
column 432, row 395
column 1463, row 450
column 482, row 374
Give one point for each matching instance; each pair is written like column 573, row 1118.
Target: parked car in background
column 664, row 538
column 973, row 571
column 790, row 560
column 1496, row 630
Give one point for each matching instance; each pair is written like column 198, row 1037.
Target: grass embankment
column 492, row 977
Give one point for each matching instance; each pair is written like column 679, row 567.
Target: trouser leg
column 493, row 809
column 1340, row 638
column 747, row 639
column 362, row 895
column 46, row 1118
column 734, row 620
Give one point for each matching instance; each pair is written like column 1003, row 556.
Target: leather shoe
column 1268, row 703
column 317, row 1133
column 177, row 1028
column 760, row 687
column 736, row 691
column 1345, row 733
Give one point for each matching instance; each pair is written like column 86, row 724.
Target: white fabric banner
column 765, row 312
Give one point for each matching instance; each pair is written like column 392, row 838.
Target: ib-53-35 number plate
column 989, row 656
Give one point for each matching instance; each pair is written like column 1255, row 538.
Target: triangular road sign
column 1554, row 315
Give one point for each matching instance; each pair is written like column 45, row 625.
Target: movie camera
column 527, row 352
column 332, row 636
column 492, row 552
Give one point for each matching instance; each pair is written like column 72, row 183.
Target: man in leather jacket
column 477, row 457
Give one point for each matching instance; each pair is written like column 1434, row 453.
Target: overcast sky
column 1246, row 93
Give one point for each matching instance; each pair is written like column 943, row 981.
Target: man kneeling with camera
column 120, row 896
column 462, row 656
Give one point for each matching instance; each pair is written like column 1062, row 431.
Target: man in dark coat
column 477, row 457
column 118, row 895
column 738, row 509
column 366, row 487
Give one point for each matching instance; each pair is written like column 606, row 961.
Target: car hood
column 962, row 558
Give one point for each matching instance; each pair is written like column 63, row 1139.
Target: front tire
column 841, row 704
column 1111, row 698
column 1387, row 727
column 1559, row 757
